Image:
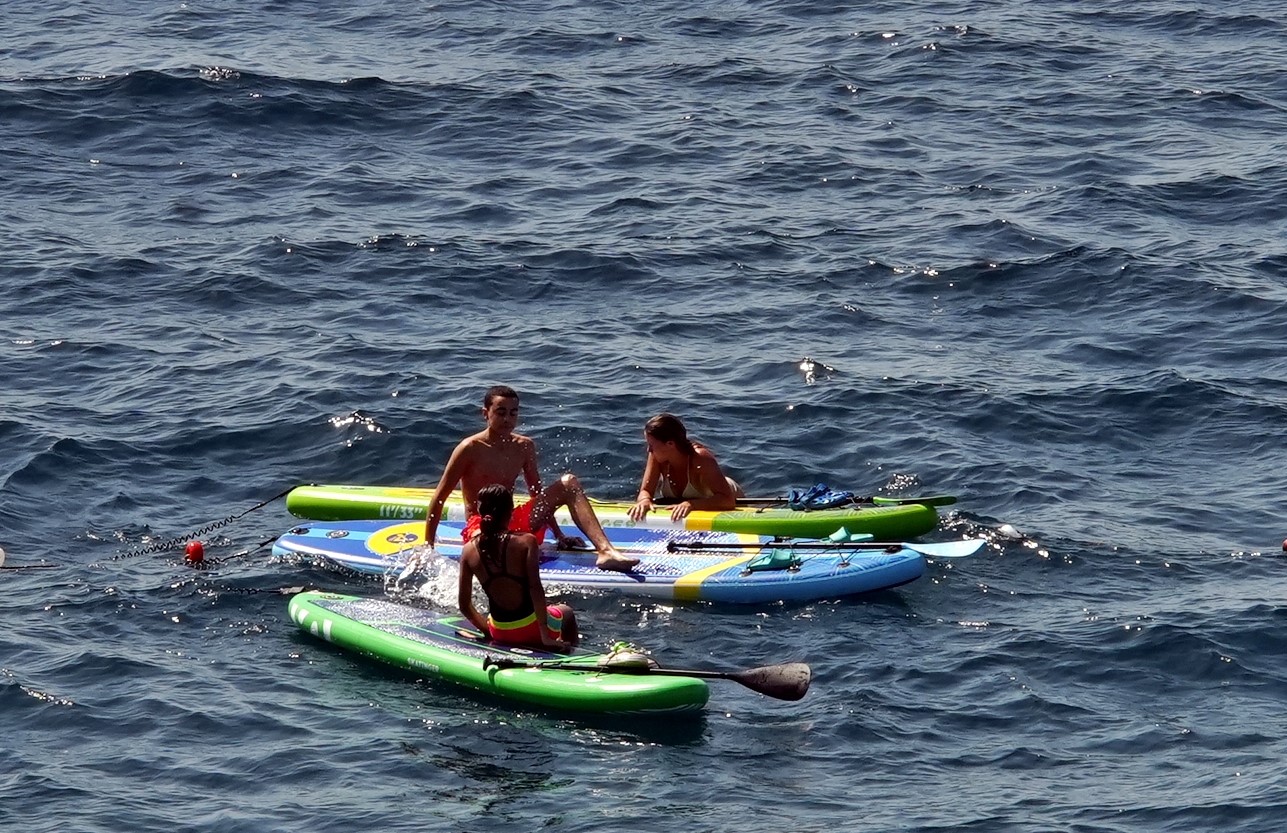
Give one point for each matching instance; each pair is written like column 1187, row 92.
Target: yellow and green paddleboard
column 888, row 519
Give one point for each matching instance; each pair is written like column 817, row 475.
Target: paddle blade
column 949, row 549
column 788, row 681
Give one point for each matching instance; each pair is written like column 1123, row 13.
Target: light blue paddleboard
column 722, row 575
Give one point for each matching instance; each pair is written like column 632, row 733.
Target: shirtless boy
column 496, row 455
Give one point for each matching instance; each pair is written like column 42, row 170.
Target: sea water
column 1028, row 254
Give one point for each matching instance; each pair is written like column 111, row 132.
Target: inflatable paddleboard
column 895, row 522
column 678, row 566
column 447, row 648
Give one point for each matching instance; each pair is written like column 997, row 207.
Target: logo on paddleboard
column 395, row 539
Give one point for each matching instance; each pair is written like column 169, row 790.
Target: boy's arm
column 531, row 471
column 446, row 485
column 532, row 476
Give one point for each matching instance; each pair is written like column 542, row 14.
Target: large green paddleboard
column 447, row 648
column 899, row 519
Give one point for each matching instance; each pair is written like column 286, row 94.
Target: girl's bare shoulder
column 703, row 453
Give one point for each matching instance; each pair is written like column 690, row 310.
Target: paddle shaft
column 927, row 500
column 677, row 546
column 788, row 681
column 947, row 549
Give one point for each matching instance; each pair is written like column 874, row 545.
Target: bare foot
column 613, row 560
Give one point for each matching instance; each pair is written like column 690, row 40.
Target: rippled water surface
column 1033, row 254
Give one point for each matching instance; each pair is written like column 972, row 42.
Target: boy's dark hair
column 498, row 392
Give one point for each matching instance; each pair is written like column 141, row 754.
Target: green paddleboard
column 447, row 648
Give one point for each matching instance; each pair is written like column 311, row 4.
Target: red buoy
column 195, row 552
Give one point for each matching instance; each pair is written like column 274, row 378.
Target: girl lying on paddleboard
column 686, row 471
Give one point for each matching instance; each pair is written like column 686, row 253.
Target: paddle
column 788, row 681
column 946, row 549
column 276, row 591
column 879, row 500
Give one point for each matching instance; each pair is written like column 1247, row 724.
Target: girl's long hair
column 667, row 428
column 495, row 505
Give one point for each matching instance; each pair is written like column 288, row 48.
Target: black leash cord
column 178, row 541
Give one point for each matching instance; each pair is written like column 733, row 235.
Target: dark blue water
column 1036, row 250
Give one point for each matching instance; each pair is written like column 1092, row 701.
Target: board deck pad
column 454, row 632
